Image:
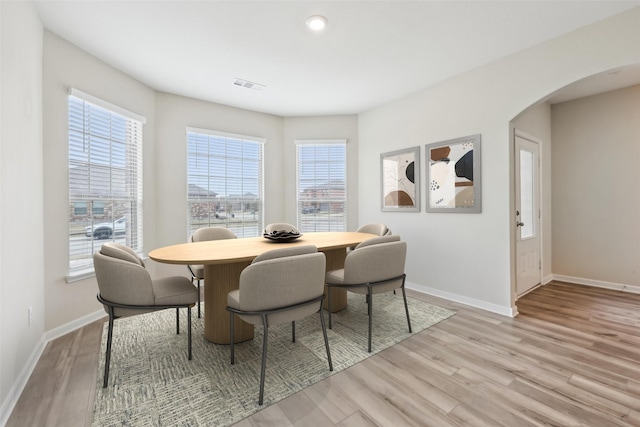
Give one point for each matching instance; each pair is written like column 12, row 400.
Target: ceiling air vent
column 247, row 84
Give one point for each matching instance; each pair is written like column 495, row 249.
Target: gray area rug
column 152, row 383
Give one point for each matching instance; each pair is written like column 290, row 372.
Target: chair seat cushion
column 336, row 277
column 233, row 301
column 174, row 290
column 198, row 271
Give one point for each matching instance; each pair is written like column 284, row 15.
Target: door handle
column 519, row 224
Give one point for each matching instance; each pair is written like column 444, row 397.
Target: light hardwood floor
column 570, row 358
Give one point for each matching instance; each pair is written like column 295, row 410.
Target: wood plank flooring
column 570, row 358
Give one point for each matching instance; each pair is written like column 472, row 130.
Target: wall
column 174, row 114
column 21, row 194
column 468, row 257
column 596, row 202
column 536, row 122
column 67, row 66
column 326, row 127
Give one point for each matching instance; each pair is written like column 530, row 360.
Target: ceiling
column 370, row 53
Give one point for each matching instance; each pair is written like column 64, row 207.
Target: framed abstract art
column 453, row 175
column 400, row 176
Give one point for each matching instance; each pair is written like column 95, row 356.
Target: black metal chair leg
column 177, row 321
column 329, row 304
column 107, row 360
column 189, row 334
column 324, row 333
column 231, row 331
column 264, row 359
column 370, row 310
column 406, row 308
column 198, row 298
column 293, row 331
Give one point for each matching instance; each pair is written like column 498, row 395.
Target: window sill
column 88, row 273
column 79, row 275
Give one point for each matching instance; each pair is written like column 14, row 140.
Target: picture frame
column 454, row 178
column 400, row 180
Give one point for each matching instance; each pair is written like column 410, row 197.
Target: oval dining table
column 225, row 259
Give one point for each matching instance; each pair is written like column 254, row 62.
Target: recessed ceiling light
column 316, row 23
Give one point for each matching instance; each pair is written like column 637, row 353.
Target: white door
column 527, row 173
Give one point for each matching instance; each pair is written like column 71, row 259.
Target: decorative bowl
column 281, row 236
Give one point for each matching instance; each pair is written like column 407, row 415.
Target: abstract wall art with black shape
column 400, row 176
column 453, row 175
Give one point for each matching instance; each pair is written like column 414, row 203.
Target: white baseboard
column 73, row 325
column 494, row 308
column 598, row 283
column 16, row 390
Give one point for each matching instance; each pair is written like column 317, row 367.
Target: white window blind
column 225, row 182
column 105, row 179
column 321, row 170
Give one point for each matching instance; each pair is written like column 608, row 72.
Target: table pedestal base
column 219, row 280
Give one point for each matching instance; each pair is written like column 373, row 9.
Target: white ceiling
column 371, row 52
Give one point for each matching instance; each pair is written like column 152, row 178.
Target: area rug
column 151, row 382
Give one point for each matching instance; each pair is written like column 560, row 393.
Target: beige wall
column 67, row 66
column 468, row 257
column 596, row 200
column 21, row 193
column 325, row 127
column 174, row 115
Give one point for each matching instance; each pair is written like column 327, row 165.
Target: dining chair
column 201, row 235
column 126, row 289
column 280, row 286
column 374, row 266
column 373, row 228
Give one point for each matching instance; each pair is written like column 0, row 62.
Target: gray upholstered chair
column 126, row 289
column 374, row 266
column 280, row 286
column 202, row 235
column 373, row 228
column 377, row 229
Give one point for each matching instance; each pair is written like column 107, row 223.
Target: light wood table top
column 225, row 259
column 246, row 249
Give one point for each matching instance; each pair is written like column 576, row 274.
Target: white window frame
column 319, row 213
column 241, row 213
column 122, row 189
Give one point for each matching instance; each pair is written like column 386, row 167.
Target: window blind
column 105, row 179
column 321, row 185
column 225, row 182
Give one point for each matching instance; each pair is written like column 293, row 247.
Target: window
column 105, row 179
column 224, row 179
column 322, row 192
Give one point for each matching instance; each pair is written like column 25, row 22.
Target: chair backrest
column 378, row 240
column 205, row 234
column 375, row 261
column 379, row 229
column 285, row 252
column 122, row 277
column 212, row 233
column 282, row 278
